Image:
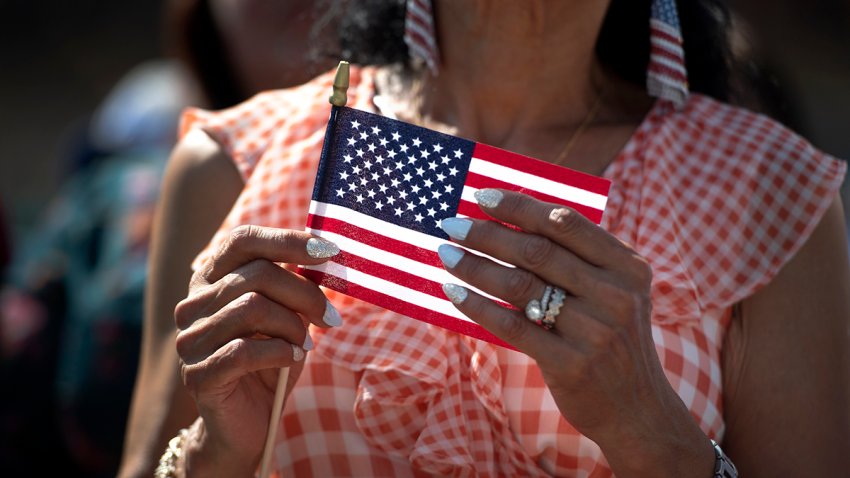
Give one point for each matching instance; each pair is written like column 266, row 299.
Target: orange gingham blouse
column 715, row 197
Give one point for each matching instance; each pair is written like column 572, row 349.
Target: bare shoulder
column 201, row 184
column 200, row 162
column 787, row 364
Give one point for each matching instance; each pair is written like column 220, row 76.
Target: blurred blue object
column 72, row 312
column 142, row 110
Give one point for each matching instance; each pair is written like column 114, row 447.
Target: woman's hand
column 599, row 359
column 245, row 317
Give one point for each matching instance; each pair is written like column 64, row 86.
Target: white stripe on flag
column 424, row 34
column 665, row 27
column 537, row 183
column 363, row 221
column 468, row 194
column 391, row 289
column 390, row 259
column 333, row 211
column 675, row 66
column 665, row 44
column 419, row 10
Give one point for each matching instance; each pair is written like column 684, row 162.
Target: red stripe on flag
column 402, row 307
column 471, row 209
column 663, row 34
column 418, row 37
column 665, row 71
column 543, row 169
column 397, row 276
column 391, row 274
column 673, row 56
column 479, row 182
column 373, row 239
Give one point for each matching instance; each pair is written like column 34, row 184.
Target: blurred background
column 89, row 80
column 57, row 62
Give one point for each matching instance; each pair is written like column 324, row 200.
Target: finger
column 518, row 287
column 510, row 326
column 250, row 315
column 581, row 324
column 236, row 359
column 531, row 252
column 561, row 224
column 267, row 278
column 513, row 285
column 247, row 243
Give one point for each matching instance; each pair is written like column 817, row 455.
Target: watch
column 723, row 466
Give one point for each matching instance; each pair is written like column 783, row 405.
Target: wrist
column 664, row 458
column 660, row 442
column 203, row 457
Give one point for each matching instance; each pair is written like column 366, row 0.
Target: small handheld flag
column 382, row 188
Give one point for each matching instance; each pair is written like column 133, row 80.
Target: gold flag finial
column 339, row 96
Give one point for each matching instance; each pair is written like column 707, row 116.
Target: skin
column 189, row 212
column 786, row 351
column 268, row 41
column 265, row 40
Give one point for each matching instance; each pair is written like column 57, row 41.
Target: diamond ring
column 536, row 309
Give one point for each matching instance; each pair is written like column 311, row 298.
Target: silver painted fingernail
column 297, row 353
column 455, row 293
column 489, row 198
column 308, row 343
column 450, row 255
column 319, row 248
column 455, row 227
column 331, row 317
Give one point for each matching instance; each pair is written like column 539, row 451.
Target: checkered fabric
column 716, row 198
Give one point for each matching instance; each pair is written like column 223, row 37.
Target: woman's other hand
column 599, row 359
column 245, row 317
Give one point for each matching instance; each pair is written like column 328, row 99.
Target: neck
column 509, row 67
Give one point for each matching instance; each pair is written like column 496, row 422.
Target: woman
column 712, row 302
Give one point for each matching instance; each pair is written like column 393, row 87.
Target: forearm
column 160, row 408
column 659, row 441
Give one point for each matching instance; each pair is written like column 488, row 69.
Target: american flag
column 382, row 188
column 419, row 33
column 667, row 77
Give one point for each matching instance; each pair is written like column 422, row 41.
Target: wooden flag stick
column 277, row 407
column 338, row 98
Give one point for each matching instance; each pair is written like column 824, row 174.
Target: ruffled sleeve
column 245, row 130
column 727, row 198
column 275, row 140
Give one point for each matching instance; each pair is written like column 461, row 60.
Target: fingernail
column 450, row 255
column 489, row 198
column 331, row 317
column 319, row 248
column 297, row 353
column 455, row 293
column 456, row 227
column 308, row 343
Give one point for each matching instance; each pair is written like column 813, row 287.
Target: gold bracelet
column 167, row 467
